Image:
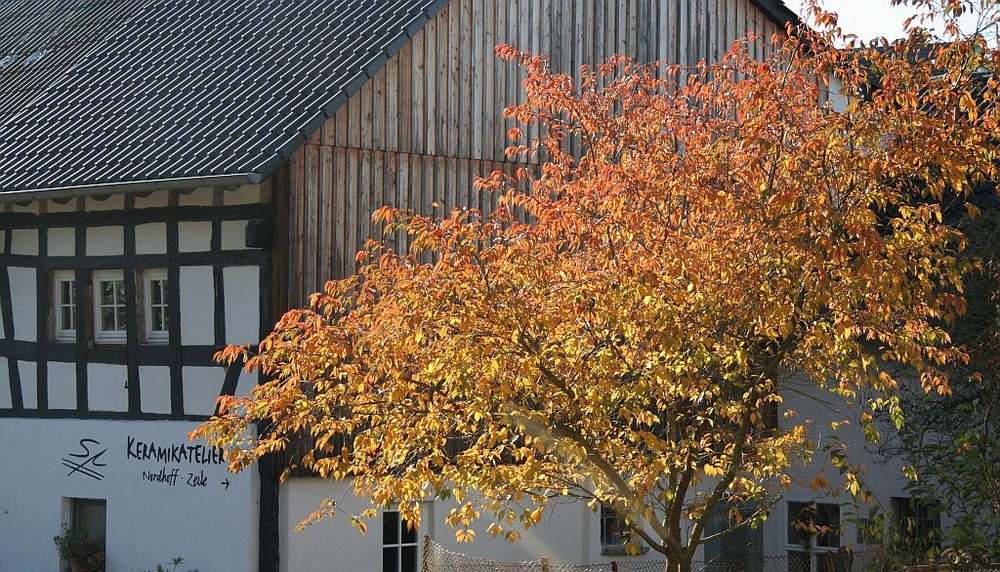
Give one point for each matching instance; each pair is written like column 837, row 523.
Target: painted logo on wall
column 86, row 462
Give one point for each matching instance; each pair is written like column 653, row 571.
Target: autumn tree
column 621, row 327
column 952, row 441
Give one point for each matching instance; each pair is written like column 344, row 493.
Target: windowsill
column 67, row 341
column 814, row 549
column 157, row 338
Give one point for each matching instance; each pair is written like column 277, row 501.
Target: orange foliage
column 693, row 238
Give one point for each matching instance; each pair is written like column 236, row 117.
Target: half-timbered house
column 176, row 173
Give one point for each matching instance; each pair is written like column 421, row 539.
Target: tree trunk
column 677, row 564
column 76, row 565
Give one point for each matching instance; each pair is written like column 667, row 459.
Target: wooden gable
column 430, row 120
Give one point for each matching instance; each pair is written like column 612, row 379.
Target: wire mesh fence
column 439, row 559
column 814, row 561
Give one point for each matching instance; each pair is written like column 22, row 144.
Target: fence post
column 545, row 564
column 425, row 564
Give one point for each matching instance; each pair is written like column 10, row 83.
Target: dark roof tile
column 101, row 91
column 119, row 92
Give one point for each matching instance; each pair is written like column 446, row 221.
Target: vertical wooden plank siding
column 431, row 120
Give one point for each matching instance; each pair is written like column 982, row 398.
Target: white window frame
column 101, row 335
column 91, row 517
column 615, row 535
column 398, row 544
column 87, row 515
column 149, row 277
column 613, row 532
column 65, row 332
column 813, row 547
column 918, row 523
column 814, row 541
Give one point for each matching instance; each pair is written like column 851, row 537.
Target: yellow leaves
column 713, row 471
column 819, row 483
column 934, row 381
column 851, row 483
column 647, row 314
column 464, row 516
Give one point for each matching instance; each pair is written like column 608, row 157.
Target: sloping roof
column 777, row 11
column 96, row 92
column 107, row 95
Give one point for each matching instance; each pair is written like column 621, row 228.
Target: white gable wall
column 568, row 533
column 193, row 515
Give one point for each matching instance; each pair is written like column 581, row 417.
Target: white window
column 737, row 546
column 109, row 307
column 815, row 524
column 613, row 531
column 90, row 517
column 86, row 521
column 399, row 544
column 918, row 524
column 156, row 287
column 813, row 529
column 616, row 535
column 65, row 305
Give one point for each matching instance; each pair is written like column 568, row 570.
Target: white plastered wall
column 568, row 532
column 23, row 282
column 821, row 409
column 195, row 515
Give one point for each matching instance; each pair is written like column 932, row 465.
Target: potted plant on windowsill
column 83, row 554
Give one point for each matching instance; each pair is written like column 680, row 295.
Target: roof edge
column 269, row 163
column 777, row 11
column 130, row 187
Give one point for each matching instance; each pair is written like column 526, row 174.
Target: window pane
column 390, row 559
column 158, row 291
column 829, row 516
column 120, row 318
column 409, row 533
column 159, row 320
column 611, row 528
column 68, row 318
column 107, row 293
column 821, row 520
column 89, row 516
column 120, row 292
column 798, row 518
column 390, row 527
column 108, row 319
column 409, row 559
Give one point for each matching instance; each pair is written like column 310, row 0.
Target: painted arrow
column 225, row 483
